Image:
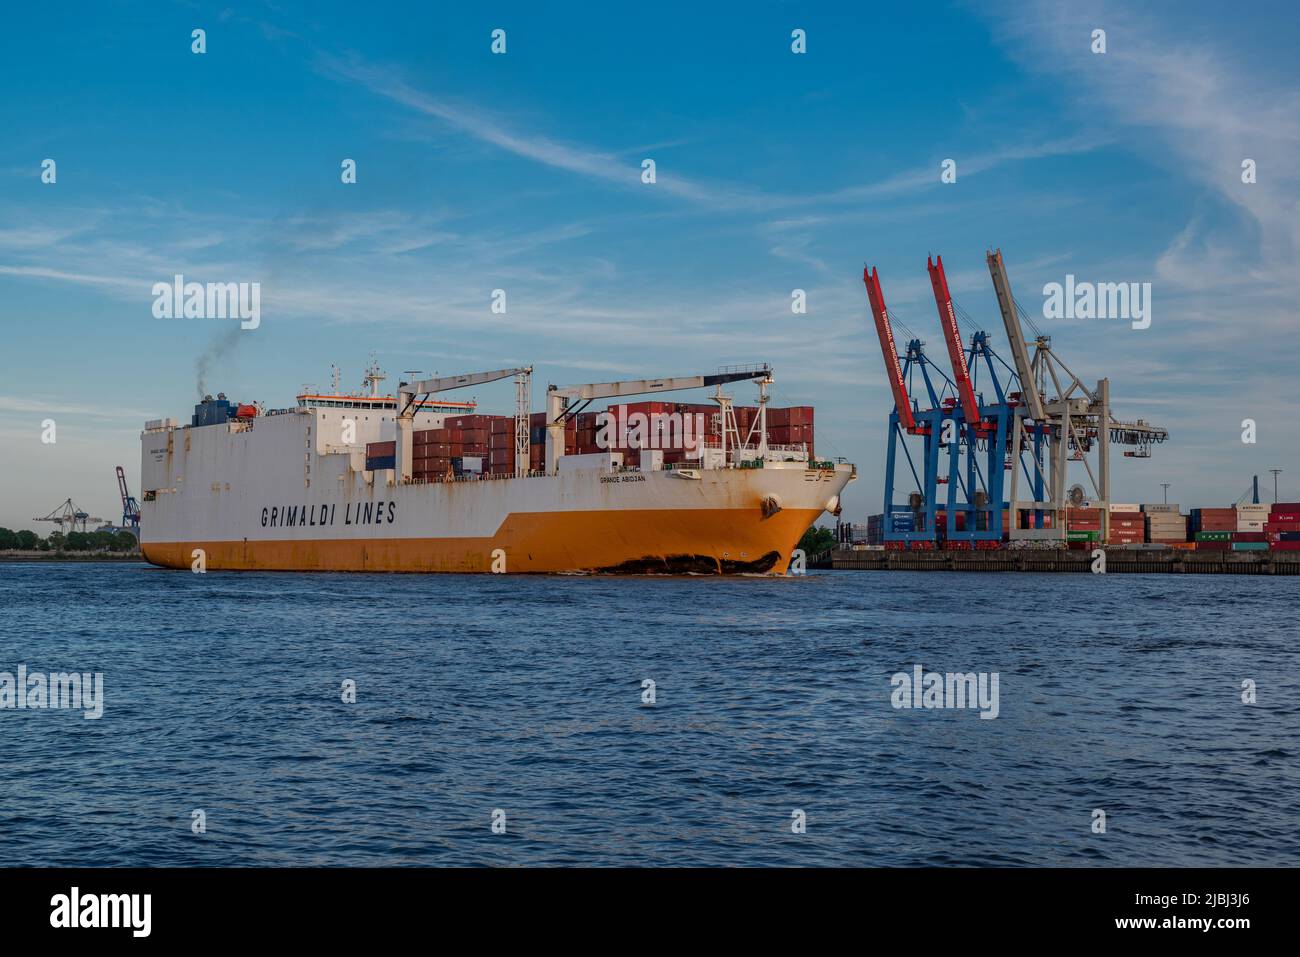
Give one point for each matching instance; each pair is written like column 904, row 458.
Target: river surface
column 520, row 701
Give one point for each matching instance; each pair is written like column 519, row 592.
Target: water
column 222, row 693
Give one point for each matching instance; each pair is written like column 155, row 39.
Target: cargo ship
column 413, row 483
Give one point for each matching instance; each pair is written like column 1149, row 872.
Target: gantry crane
column 68, row 513
column 952, row 337
column 1076, row 418
column 973, row 433
column 130, row 507
column 913, row 521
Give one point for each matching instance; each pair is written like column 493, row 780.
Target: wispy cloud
column 475, row 122
column 611, row 168
column 1189, row 107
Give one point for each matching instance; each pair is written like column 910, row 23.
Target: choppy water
column 222, row 693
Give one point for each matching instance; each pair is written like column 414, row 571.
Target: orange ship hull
column 618, row 541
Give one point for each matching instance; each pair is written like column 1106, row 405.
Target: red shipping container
column 1282, row 526
column 1279, row 516
column 471, row 436
column 467, row 422
column 1214, row 546
column 1248, row 537
column 1284, row 547
column 538, row 420
column 1286, row 507
column 502, row 425
column 380, row 449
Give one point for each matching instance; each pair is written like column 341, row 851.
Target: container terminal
column 985, row 454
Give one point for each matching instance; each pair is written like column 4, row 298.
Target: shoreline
column 17, row 556
column 1141, row 561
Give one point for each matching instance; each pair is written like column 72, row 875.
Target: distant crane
column 130, row 507
column 69, row 514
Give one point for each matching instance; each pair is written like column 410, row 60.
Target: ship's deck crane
column 408, row 394
column 557, row 399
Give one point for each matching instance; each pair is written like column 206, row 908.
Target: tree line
column 28, row 541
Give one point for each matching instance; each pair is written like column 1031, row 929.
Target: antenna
column 374, row 375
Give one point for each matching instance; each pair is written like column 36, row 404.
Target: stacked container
column 1127, row 525
column 1165, row 524
column 464, row 446
column 1250, row 535
column 381, row 455
column 1082, row 526
column 1282, row 530
column 792, row 426
column 1212, row 528
column 875, row 531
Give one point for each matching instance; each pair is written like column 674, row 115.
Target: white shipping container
column 605, row 461
column 1124, row 508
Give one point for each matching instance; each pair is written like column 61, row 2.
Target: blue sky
column 522, row 172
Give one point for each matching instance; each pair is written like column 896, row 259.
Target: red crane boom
column 952, row 336
column 890, row 349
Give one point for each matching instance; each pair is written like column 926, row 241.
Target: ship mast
column 374, row 375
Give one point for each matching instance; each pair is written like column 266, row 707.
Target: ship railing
column 481, row 477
